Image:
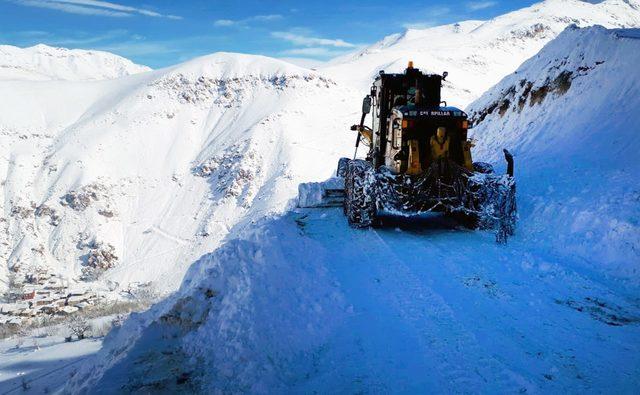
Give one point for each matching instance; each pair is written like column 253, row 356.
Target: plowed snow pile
column 302, row 303
column 568, row 116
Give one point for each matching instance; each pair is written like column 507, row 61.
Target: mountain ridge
column 477, row 54
column 42, row 63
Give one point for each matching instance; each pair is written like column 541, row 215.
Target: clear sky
column 164, row 32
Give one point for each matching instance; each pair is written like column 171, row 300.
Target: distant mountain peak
column 42, row 62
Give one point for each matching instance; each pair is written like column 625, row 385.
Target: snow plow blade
column 329, row 193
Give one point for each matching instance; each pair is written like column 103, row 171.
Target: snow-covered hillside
column 568, row 115
column 42, row 63
column 477, row 54
column 302, row 303
column 128, row 181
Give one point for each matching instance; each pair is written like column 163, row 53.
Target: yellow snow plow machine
column 418, row 161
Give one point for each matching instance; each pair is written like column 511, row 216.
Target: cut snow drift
column 567, row 114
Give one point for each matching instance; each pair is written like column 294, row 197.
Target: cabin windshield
column 412, row 96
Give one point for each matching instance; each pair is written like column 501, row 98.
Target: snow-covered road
column 41, row 364
column 450, row 310
column 302, row 303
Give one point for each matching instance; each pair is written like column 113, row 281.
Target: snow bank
column 230, row 328
column 568, row 115
column 43, row 63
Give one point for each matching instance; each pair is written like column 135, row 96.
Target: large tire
column 342, row 167
column 359, row 202
column 508, row 211
column 468, row 219
column 494, row 201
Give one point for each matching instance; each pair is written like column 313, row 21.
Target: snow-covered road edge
column 241, row 315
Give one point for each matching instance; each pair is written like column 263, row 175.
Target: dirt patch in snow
column 601, row 310
column 534, row 92
column 99, row 258
column 228, row 92
column 45, row 211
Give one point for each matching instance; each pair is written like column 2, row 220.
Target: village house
column 28, row 295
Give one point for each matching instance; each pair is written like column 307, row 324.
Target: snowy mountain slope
column 43, row 63
column 302, row 303
column 568, row 114
column 478, row 54
column 130, row 180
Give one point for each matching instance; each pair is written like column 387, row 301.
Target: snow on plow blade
column 478, row 200
column 329, row 193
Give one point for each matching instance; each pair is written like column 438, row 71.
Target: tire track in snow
column 490, row 369
column 169, row 236
column 43, row 375
column 460, row 361
column 561, row 282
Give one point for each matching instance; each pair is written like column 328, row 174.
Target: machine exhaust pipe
column 509, row 158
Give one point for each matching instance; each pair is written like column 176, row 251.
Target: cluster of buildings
column 44, row 294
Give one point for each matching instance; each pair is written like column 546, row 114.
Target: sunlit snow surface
column 175, row 157
column 41, row 363
column 576, row 151
column 478, row 54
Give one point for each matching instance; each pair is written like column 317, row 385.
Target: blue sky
column 163, row 32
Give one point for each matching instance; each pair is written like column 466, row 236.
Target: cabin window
column 397, row 133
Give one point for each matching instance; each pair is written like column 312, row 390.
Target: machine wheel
column 359, row 202
column 508, row 212
column 483, row 167
column 469, row 220
column 342, row 167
